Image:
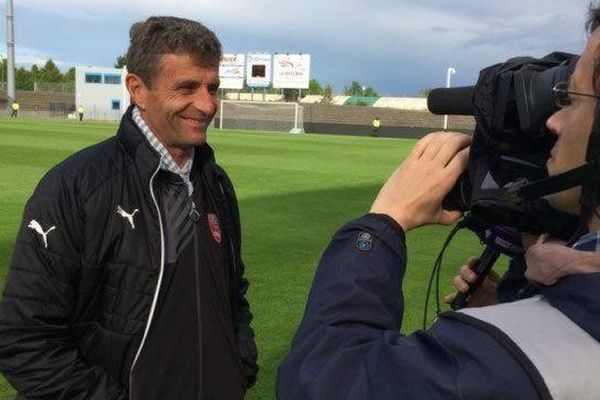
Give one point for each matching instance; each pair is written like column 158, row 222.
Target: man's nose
column 555, row 122
column 205, row 102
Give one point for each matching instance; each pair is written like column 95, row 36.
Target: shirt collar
column 167, row 162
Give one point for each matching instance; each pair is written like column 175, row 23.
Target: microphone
column 451, row 101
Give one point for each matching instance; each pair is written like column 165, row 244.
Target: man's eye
column 186, row 89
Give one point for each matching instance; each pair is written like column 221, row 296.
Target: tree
column 35, row 73
column 69, row 77
column 370, row 92
column 26, row 78
column 23, row 79
column 50, row 72
column 314, row 87
column 327, row 95
column 3, row 69
column 356, row 89
column 121, row 61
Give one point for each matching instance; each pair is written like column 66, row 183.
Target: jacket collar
column 144, row 156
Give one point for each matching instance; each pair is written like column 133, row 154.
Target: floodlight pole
column 10, row 45
column 451, row 71
column 221, row 114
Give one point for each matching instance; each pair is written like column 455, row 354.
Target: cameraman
column 348, row 345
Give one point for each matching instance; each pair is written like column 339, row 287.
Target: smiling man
column 126, row 280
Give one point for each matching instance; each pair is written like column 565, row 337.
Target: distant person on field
column 376, row 125
column 15, row 110
column 80, row 113
column 126, row 281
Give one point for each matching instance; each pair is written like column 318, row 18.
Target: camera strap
column 589, row 172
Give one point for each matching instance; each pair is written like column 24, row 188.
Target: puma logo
column 33, row 224
column 127, row 216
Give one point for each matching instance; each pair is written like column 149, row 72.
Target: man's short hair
column 155, row 37
column 593, row 22
column 593, row 19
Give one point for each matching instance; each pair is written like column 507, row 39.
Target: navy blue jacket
column 348, row 345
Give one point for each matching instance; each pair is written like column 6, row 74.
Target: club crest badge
column 364, row 242
column 215, row 228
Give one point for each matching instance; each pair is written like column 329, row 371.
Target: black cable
column 435, row 273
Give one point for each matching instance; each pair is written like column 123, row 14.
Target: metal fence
column 56, row 87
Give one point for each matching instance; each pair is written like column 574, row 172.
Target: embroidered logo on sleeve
column 215, row 228
column 33, row 224
column 364, row 242
column 127, row 216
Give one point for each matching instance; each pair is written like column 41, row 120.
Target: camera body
column 511, row 103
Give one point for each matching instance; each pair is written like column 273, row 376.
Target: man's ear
column 138, row 91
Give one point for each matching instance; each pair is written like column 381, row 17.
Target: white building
column 101, row 92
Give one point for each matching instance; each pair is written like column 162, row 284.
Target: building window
column 93, row 78
column 116, row 105
column 111, row 79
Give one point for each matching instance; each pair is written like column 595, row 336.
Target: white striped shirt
column 167, row 162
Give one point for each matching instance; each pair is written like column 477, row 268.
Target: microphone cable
column 435, row 274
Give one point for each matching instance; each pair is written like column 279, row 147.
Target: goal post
column 261, row 115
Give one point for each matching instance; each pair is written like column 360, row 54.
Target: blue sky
column 396, row 46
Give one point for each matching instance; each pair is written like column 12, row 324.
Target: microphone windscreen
column 452, row 101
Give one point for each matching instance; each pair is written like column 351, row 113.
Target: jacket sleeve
column 243, row 316
column 39, row 352
column 348, row 345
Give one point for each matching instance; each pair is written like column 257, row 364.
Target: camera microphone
column 451, row 101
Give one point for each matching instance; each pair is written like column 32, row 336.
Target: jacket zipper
column 158, row 284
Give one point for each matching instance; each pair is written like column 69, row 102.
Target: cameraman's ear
column 138, row 91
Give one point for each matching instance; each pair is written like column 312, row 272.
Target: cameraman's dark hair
column 593, row 19
column 593, row 22
column 157, row 36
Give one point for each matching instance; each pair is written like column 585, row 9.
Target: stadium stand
column 311, row 99
column 402, row 103
column 361, row 101
column 42, row 104
column 340, row 100
column 353, row 120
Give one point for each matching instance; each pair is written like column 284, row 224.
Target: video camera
column 511, row 144
column 503, row 186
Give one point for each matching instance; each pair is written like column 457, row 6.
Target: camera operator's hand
column 485, row 295
column 413, row 194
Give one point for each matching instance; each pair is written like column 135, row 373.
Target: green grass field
column 294, row 192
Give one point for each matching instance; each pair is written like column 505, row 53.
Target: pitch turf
column 294, row 192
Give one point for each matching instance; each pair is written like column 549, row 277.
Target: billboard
column 291, row 71
column 258, row 69
column 231, row 71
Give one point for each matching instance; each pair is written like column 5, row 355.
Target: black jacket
column 349, row 345
column 83, row 282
